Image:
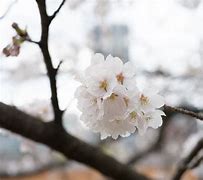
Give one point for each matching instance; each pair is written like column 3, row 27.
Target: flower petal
column 97, row 59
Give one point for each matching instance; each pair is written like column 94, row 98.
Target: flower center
column 148, row 118
column 120, row 78
column 113, row 96
column 103, row 85
column 133, row 115
column 144, row 100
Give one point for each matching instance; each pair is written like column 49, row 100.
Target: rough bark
column 58, row 139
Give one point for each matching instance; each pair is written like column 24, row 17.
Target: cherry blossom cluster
column 110, row 101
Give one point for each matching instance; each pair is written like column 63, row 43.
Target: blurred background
column 164, row 40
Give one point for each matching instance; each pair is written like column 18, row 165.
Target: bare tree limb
column 185, row 162
column 158, row 144
column 196, row 163
column 31, row 41
column 57, row 11
column 184, row 111
column 59, row 65
column 51, row 71
column 58, row 139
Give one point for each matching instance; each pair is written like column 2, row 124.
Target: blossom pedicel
column 111, row 103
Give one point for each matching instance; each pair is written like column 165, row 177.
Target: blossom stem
column 184, row 111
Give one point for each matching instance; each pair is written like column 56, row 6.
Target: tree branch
column 56, row 138
column 51, row 71
column 196, row 163
column 31, row 41
column 185, row 162
column 184, row 111
column 158, row 144
column 59, row 65
column 57, row 11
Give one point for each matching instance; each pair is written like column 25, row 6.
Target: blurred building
column 111, row 39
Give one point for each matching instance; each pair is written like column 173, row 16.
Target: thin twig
column 57, row 11
column 157, row 145
column 185, row 162
column 59, row 65
column 196, row 163
column 184, row 111
column 51, row 71
column 23, row 34
column 31, row 41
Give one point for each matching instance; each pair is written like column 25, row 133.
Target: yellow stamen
column 113, row 96
column 103, row 85
column 120, row 78
column 144, row 100
column 133, row 115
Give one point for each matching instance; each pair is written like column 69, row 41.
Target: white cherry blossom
column 148, row 99
column 115, row 107
column 123, row 72
column 114, row 128
column 100, row 83
column 149, row 119
column 88, row 104
column 99, row 80
column 110, row 102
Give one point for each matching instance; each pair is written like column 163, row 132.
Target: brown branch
column 185, row 162
column 58, row 139
column 184, row 111
column 31, row 41
column 52, row 72
column 59, row 65
column 57, row 11
column 196, row 163
column 158, row 144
